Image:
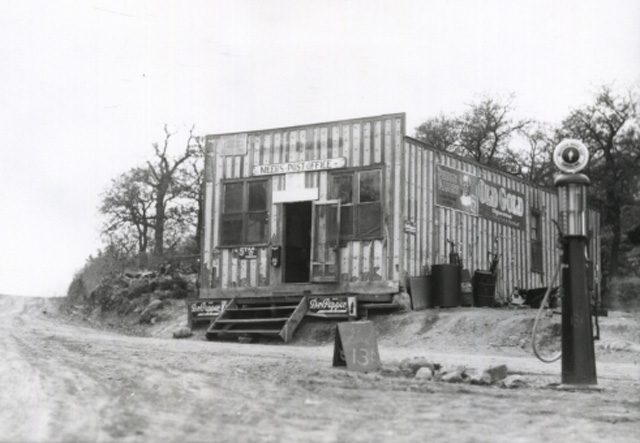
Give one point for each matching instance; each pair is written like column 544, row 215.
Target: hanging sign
column 300, row 166
column 356, row 346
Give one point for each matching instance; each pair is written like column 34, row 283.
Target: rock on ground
column 182, row 333
column 424, row 373
column 514, row 381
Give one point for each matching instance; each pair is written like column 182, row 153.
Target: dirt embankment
column 144, row 303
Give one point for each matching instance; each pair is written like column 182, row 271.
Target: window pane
column 370, row 220
column 232, row 197
column 342, row 188
column 369, row 186
column 535, row 226
column 536, row 256
column 231, row 230
column 257, row 227
column 346, row 221
column 258, row 196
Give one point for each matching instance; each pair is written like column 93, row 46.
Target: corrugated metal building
column 357, row 206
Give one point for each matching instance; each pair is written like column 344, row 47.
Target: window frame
column 245, row 212
column 536, row 255
column 355, row 174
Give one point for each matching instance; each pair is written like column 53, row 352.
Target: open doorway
column 297, row 241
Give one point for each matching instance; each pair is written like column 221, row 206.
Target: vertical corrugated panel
column 336, row 149
column 346, row 142
column 398, row 210
column 366, row 144
column 357, row 136
column 219, row 172
column 431, row 217
column 358, row 148
column 388, row 200
column 421, row 231
column 356, row 260
column 405, row 183
column 377, row 142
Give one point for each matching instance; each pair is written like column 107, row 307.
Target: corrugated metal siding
column 434, row 224
column 363, row 142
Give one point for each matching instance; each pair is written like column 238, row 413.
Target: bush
column 624, row 293
column 77, row 289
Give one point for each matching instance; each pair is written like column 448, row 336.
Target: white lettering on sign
column 328, row 305
column 501, row 200
column 301, row 166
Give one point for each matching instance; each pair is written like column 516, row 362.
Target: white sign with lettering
column 295, row 190
column 232, row 144
column 300, row 166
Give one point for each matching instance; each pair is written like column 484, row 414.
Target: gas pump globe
column 571, row 157
column 578, row 357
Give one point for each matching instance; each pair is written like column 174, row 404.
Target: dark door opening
column 297, row 241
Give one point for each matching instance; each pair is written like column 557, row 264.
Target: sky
column 86, row 86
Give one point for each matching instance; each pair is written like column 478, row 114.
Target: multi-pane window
column 536, row 240
column 244, row 215
column 360, row 195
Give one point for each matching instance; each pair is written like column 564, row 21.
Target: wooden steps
column 271, row 317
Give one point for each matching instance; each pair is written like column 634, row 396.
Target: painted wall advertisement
column 468, row 193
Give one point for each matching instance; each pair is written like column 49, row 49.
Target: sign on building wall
column 456, row 189
column 300, row 166
column 468, row 193
column 235, row 144
column 500, row 204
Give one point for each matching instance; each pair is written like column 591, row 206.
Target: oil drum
column 445, row 285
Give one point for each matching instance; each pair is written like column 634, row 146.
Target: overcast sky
column 85, row 87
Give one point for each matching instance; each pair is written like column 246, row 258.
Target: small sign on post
column 356, row 346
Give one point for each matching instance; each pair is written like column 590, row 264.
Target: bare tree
column 482, row 132
column 486, row 129
column 441, row 133
column 162, row 178
column 534, row 161
column 192, row 177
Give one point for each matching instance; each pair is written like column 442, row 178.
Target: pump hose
column 557, row 356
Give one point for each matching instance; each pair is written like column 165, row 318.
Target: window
column 536, row 240
column 244, row 215
column 360, row 195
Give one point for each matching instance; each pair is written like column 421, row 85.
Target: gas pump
column 578, row 357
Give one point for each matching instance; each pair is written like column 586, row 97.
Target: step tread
column 244, row 331
column 380, row 305
column 266, row 308
column 252, row 320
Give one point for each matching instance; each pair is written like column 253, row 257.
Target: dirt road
column 67, row 383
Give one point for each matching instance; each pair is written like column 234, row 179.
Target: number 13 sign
column 356, row 346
